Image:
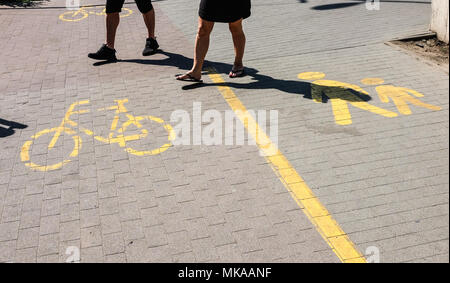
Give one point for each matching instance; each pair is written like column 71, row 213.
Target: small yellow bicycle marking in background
column 84, row 12
column 343, row 94
column 116, row 135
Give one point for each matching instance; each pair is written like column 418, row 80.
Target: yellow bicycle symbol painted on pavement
column 84, row 12
column 116, row 135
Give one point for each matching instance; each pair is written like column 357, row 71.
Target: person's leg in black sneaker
column 107, row 51
column 112, row 23
column 104, row 53
column 148, row 12
column 113, row 9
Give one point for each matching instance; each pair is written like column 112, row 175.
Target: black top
column 224, row 11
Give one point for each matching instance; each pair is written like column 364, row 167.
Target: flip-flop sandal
column 237, row 73
column 189, row 78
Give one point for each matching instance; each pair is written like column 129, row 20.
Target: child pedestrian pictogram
column 401, row 96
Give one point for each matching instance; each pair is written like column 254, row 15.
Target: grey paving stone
column 7, row 251
column 160, row 254
column 30, row 219
column 113, row 244
column 92, row 255
column 229, row 253
column 116, row 258
column 107, row 190
column 26, row 255
column 11, row 213
column 32, row 202
column 70, row 231
column 91, row 237
column 28, row 238
column 69, row 196
column 88, row 201
column 70, row 212
column 204, row 250
column 184, row 258
column 110, row 224
column 51, row 258
column 221, row 235
column 89, row 218
column 127, row 195
column 137, row 252
column 48, row 245
column 87, row 185
column 155, row 236
column 179, row 243
column 9, row 231
column 49, row 225
column 133, row 230
column 109, row 206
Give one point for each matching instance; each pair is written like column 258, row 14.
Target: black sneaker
column 151, row 46
column 104, row 53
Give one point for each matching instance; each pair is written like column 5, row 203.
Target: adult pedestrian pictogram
column 341, row 96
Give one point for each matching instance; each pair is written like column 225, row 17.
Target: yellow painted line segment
column 319, row 216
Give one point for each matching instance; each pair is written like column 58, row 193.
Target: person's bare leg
column 201, row 48
column 239, row 41
column 149, row 19
column 112, row 22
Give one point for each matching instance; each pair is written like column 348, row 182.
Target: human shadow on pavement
column 172, row 60
column 334, row 6
column 10, row 126
column 308, row 90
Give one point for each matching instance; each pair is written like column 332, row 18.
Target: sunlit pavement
column 363, row 125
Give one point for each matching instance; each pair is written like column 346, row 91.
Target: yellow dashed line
column 319, row 216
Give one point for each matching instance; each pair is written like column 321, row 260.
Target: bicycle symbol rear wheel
column 25, row 152
column 125, row 12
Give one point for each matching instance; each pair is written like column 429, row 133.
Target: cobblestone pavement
column 383, row 177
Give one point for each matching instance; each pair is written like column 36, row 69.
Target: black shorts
column 115, row 6
column 224, row 11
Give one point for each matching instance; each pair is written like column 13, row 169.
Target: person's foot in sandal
column 189, row 77
column 237, row 71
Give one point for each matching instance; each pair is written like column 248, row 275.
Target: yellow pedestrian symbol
column 341, row 95
column 401, row 96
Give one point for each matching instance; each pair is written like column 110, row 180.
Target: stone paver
column 385, row 180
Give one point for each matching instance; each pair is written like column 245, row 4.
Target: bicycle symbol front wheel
column 171, row 135
column 25, row 152
column 125, row 12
